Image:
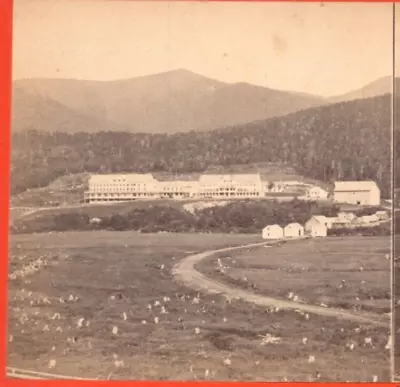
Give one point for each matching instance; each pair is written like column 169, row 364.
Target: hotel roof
column 122, row 178
column 344, row 186
column 233, row 178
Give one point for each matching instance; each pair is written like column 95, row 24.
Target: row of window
column 167, row 189
column 105, row 194
column 118, row 185
column 134, row 194
column 234, row 186
column 211, row 194
column 230, row 187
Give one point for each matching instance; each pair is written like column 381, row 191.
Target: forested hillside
column 32, row 110
column 349, row 140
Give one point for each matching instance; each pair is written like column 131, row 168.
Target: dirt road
column 25, row 211
column 18, row 373
column 185, row 272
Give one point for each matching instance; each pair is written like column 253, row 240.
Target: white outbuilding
column 316, row 192
column 272, row 231
column 382, row 215
column 315, row 228
column 365, row 193
column 329, row 221
column 370, row 219
column 293, row 230
column 346, row 216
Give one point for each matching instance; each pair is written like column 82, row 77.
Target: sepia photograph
column 201, row 191
column 396, row 199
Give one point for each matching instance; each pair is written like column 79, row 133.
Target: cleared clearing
column 352, row 273
column 99, row 276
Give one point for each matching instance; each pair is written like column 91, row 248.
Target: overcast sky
column 323, row 49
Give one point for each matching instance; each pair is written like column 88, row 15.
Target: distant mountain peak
column 178, row 100
column 180, row 72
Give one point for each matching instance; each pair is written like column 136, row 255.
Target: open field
column 99, row 276
column 313, row 270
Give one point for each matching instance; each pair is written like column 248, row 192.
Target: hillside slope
column 175, row 101
column 349, row 140
column 374, row 89
column 32, row 111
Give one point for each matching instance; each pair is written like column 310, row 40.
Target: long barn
column 357, row 192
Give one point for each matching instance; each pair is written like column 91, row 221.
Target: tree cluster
column 236, row 217
column 383, row 229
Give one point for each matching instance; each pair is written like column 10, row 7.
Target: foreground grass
column 117, row 273
column 350, row 272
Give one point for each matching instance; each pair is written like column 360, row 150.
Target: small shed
column 272, row 231
column 382, row 215
column 321, row 219
column 315, row 228
column 341, row 223
column 293, row 230
column 351, row 216
column 330, row 221
column 356, row 222
column 317, row 193
column 346, row 216
column 370, row 219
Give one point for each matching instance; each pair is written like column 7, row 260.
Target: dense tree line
column 236, row 217
column 365, row 211
column 349, row 141
column 383, row 229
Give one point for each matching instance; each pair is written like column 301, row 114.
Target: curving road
column 18, row 373
column 186, row 273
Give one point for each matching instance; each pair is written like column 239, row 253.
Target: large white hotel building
column 125, row 187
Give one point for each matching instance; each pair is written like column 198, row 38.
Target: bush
column 365, row 211
column 381, row 230
column 237, row 217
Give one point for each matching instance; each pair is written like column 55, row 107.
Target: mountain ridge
column 380, row 86
column 170, row 102
column 175, row 101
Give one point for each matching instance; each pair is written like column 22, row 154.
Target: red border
column 5, row 120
